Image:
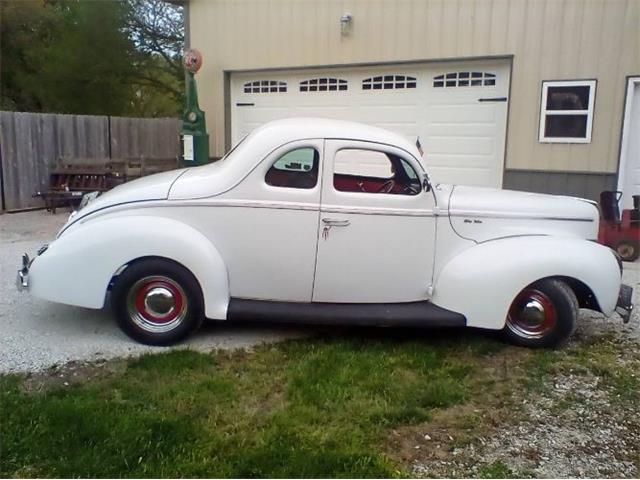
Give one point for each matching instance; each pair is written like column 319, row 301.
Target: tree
column 157, row 30
column 22, row 24
column 91, row 57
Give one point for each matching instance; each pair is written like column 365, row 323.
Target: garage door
column 458, row 110
column 629, row 180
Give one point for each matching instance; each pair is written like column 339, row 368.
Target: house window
column 295, row 169
column 566, row 111
column 323, row 85
column 465, row 79
column 389, row 82
column 265, row 86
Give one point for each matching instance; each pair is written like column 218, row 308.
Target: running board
column 411, row 314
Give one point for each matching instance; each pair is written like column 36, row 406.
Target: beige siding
column 549, row 39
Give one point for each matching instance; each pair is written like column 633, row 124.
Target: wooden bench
column 70, row 179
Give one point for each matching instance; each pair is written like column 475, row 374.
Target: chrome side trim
column 506, row 216
column 263, row 204
column 245, row 203
column 402, row 212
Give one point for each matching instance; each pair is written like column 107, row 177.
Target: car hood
column 152, row 187
column 482, row 214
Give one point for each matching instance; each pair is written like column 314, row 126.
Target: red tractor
column 622, row 233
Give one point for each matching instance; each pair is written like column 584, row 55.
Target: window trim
column 420, row 173
column 255, row 86
column 589, row 112
column 399, row 81
column 278, row 156
column 455, row 77
column 317, row 85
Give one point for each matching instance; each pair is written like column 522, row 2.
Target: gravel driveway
column 36, row 334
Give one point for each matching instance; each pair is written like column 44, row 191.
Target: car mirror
column 426, row 186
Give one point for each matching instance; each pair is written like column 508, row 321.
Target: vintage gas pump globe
column 194, row 137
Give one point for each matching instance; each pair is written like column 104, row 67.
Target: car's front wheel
column 157, row 302
column 544, row 314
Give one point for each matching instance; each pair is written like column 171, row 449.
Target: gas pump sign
column 187, row 148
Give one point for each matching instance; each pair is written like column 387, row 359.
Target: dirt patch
column 72, row 373
column 568, row 413
column 433, row 448
column 572, row 431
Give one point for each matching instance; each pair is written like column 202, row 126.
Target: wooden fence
column 31, row 143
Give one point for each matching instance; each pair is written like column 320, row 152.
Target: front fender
column 77, row 267
column 482, row 281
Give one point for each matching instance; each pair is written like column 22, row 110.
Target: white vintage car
column 321, row 221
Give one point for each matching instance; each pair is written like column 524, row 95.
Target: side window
column 371, row 171
column 295, row 169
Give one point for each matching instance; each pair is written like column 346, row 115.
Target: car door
column 377, row 226
column 266, row 228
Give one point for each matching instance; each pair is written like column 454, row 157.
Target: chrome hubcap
column 157, row 304
column 532, row 314
column 159, row 301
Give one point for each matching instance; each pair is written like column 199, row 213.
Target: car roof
column 279, row 132
column 219, row 177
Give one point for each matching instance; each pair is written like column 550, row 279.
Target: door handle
column 336, row 223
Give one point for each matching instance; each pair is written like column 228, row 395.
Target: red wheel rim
column 532, row 314
column 157, row 304
column 155, row 314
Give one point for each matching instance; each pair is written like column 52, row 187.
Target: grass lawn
column 324, row 407
column 305, row 408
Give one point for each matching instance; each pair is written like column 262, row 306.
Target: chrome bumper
column 624, row 308
column 22, row 278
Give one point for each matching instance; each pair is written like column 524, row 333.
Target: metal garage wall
column 550, row 40
column 30, row 143
column 585, row 185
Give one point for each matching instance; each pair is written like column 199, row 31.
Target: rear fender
column 482, row 281
column 77, row 268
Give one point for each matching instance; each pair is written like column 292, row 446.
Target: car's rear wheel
column 544, row 314
column 157, row 302
column 628, row 250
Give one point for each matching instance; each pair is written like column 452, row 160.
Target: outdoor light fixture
column 345, row 24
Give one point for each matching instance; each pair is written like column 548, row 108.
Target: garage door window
column 370, row 171
column 323, row 85
column 265, row 86
column 295, row 169
column 389, row 82
column 465, row 79
column 566, row 111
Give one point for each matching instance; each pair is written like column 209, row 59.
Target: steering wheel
column 387, row 186
column 411, row 189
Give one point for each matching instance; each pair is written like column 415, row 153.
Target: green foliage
column 496, row 470
column 312, row 408
column 74, row 56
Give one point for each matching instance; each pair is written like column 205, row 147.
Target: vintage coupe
column 322, row 221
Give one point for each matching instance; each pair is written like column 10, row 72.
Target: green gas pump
column 194, row 137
